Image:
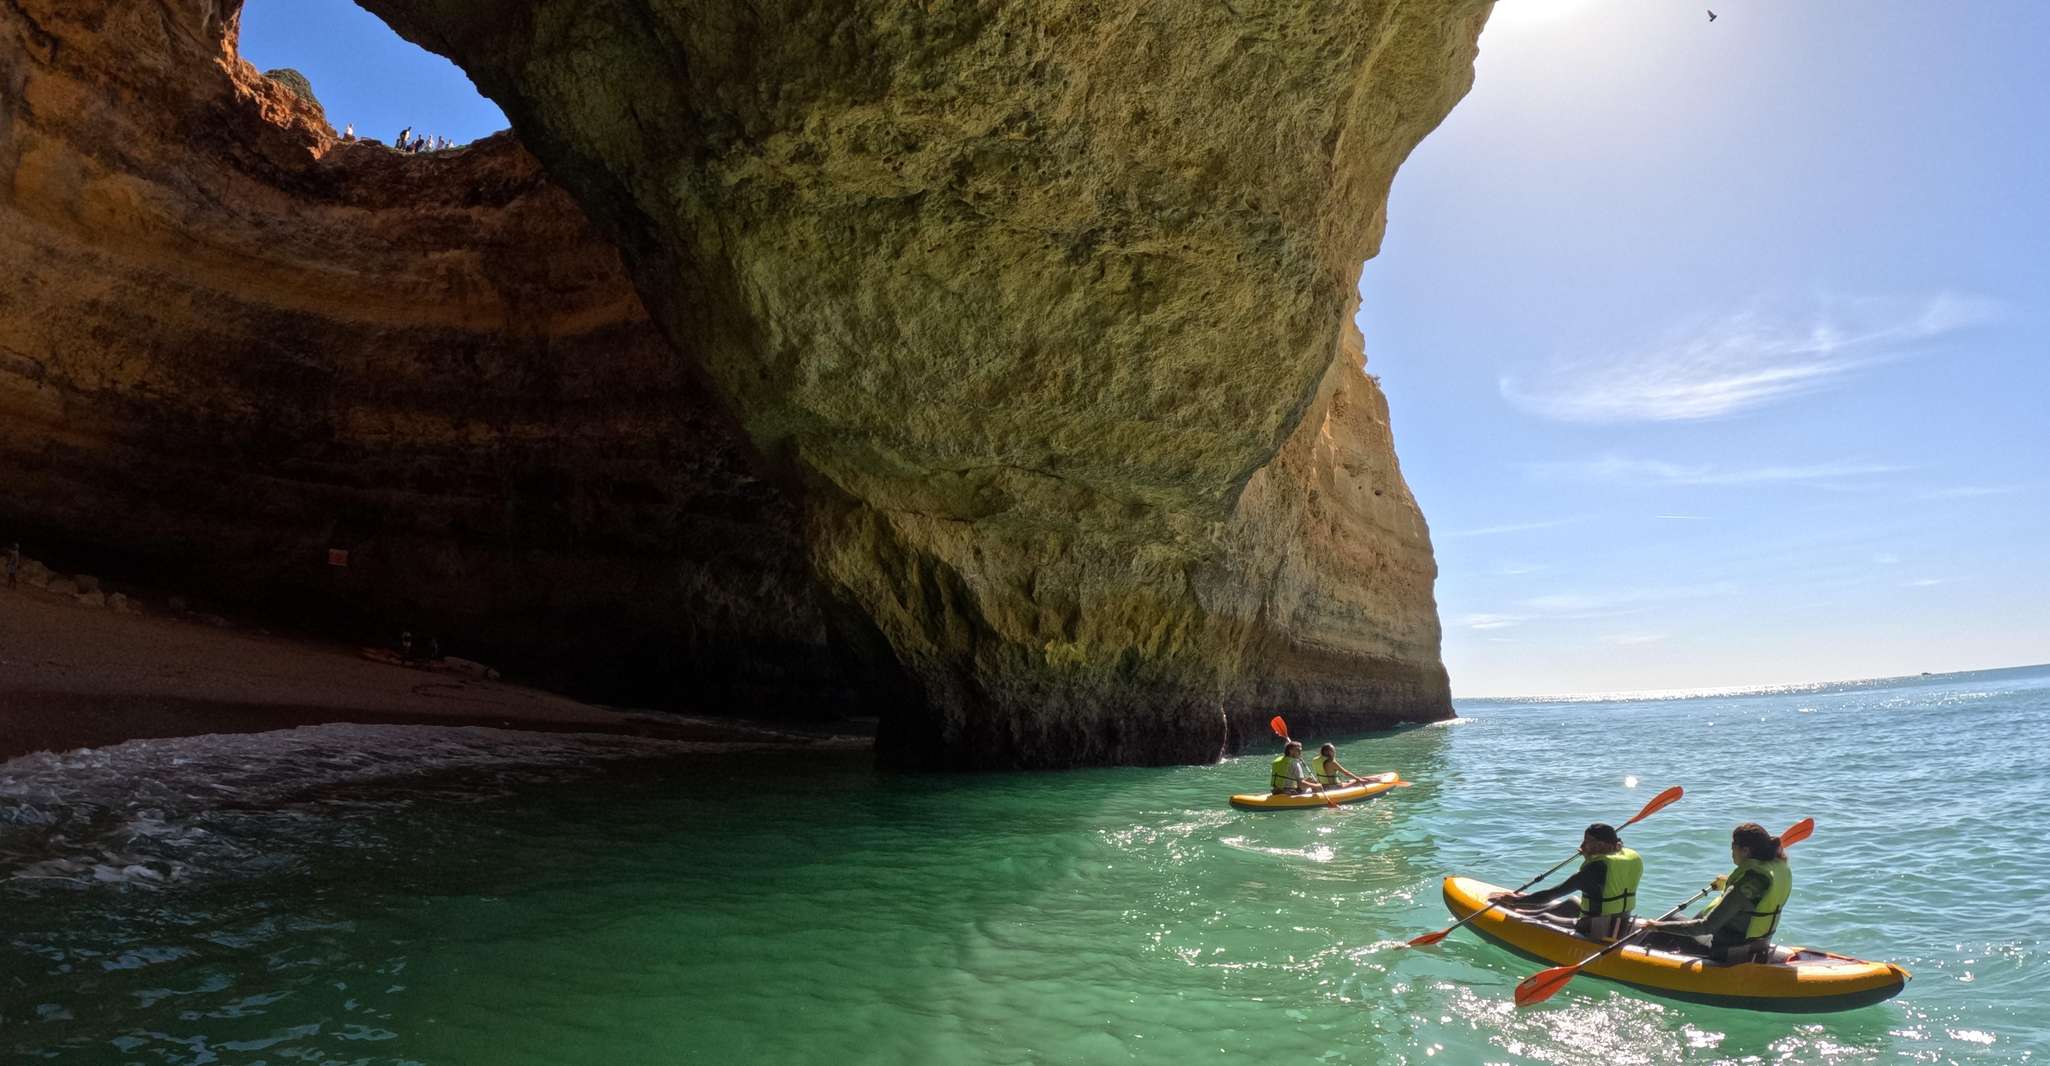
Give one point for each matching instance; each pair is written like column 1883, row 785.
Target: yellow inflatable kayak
column 1798, row 980
column 1268, row 801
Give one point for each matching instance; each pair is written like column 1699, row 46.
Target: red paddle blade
column 1543, row 984
column 1280, row 727
column 1428, row 938
column 1798, row 832
column 1657, row 804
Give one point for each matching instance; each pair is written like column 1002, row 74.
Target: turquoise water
column 418, row 895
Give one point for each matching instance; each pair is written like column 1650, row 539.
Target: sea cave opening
column 365, row 76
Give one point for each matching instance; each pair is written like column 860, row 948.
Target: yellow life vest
column 1764, row 916
column 1282, row 778
column 1327, row 770
column 1622, row 868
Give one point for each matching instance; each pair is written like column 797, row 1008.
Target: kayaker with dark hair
column 1607, row 883
column 1328, row 769
column 1287, row 776
column 1739, row 924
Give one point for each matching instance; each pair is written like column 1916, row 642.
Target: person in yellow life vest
column 1738, row 926
column 1287, row 776
column 1329, row 773
column 1606, row 881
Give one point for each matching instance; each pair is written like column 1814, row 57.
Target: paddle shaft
column 1496, row 903
column 1642, row 929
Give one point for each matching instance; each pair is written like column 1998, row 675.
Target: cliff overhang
column 988, row 368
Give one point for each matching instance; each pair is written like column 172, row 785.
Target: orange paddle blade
column 1657, row 804
column 1542, row 985
column 1798, row 832
column 1428, row 938
column 1280, row 727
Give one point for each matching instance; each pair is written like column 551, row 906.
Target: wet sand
column 75, row 677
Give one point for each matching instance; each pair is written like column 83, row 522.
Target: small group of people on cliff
column 410, row 144
column 1599, row 897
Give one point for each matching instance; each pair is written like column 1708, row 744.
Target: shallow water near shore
column 403, row 894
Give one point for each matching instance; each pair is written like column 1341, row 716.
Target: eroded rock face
column 1033, row 321
column 229, row 343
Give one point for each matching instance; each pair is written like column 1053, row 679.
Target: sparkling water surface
column 351, row 894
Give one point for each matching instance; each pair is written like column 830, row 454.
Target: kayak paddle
column 1544, row 984
column 1281, row 730
column 1658, row 803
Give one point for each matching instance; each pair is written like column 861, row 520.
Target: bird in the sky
column 1711, row 16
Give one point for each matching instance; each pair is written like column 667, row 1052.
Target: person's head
column 1751, row 841
column 1600, row 839
column 1329, row 751
column 1292, row 748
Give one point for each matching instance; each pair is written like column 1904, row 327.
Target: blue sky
column 1717, row 353
column 364, row 73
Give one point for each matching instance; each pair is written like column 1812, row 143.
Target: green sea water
column 395, row 895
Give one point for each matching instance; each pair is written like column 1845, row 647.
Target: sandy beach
column 74, row 677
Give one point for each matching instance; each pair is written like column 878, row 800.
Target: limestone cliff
column 229, row 343
column 1009, row 380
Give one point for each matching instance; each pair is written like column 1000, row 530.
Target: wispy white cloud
column 1590, row 606
column 1681, row 517
column 1635, row 638
column 1714, row 367
column 1515, row 527
column 1887, row 559
column 1969, row 492
column 1612, row 602
column 1922, row 583
column 1616, row 469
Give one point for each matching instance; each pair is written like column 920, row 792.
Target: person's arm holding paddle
column 1735, row 903
column 1593, row 874
column 1329, row 766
